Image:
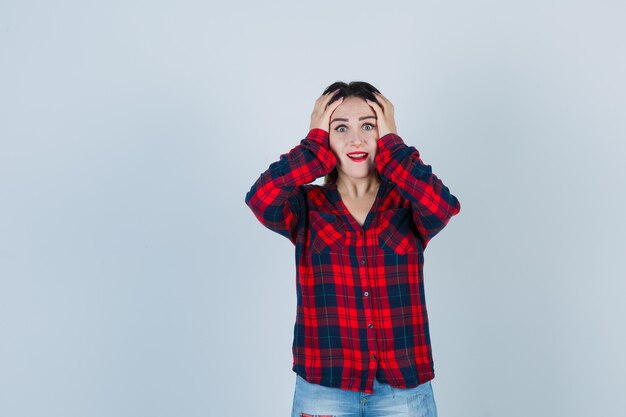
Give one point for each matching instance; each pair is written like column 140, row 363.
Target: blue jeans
column 386, row 401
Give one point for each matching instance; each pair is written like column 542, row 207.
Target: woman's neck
column 357, row 187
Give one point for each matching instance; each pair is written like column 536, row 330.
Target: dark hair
column 353, row 89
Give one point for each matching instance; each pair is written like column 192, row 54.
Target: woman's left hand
column 385, row 119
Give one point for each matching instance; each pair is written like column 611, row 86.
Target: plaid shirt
column 361, row 309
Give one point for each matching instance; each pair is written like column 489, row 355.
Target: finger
column 377, row 109
column 384, row 100
column 335, row 103
column 381, row 99
column 330, row 96
column 377, row 94
column 332, row 106
column 325, row 96
column 374, row 104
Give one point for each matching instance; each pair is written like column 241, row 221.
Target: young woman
column 361, row 342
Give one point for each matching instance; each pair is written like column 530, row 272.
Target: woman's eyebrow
column 338, row 119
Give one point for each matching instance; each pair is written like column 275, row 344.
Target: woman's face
column 353, row 131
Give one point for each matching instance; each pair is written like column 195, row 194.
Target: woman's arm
column 275, row 198
column 432, row 203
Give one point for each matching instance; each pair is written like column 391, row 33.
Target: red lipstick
column 358, row 156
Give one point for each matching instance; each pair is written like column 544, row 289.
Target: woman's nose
column 356, row 140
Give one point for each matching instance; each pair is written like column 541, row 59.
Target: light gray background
column 134, row 281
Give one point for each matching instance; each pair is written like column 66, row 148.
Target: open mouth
column 358, row 156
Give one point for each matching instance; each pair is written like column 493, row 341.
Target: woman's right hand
column 320, row 117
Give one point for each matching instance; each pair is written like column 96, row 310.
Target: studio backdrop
column 135, row 281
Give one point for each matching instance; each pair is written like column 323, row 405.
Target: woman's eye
column 343, row 128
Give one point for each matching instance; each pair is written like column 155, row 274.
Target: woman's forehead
column 353, row 109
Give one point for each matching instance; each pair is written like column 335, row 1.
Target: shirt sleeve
column 432, row 203
column 275, row 198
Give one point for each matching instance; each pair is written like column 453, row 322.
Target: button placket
column 362, row 238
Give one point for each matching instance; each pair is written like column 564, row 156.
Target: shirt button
column 366, row 293
column 374, row 357
column 362, row 261
column 371, row 325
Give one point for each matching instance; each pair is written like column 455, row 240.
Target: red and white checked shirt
column 361, row 308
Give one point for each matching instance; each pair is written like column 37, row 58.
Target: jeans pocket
column 422, row 403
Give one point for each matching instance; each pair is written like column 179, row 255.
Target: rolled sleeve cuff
column 323, row 151
column 386, row 145
column 319, row 135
